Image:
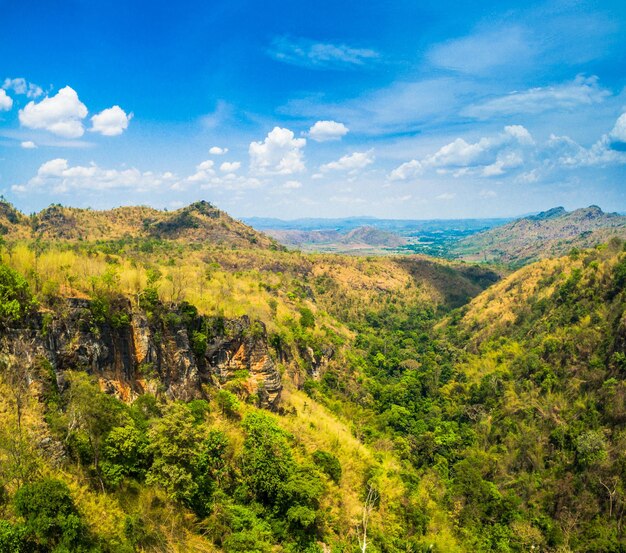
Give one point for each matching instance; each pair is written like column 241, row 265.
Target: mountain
column 333, row 240
column 167, row 395
column 197, row 223
column 162, row 394
column 547, row 234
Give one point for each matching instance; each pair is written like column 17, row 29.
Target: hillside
column 357, row 239
column 199, row 222
column 186, row 397
column 549, row 234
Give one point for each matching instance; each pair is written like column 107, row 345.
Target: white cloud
column 486, row 151
column 407, row 170
column 217, row 151
column 487, row 194
column 110, row 122
column 6, row 102
column 205, row 178
column 567, row 96
column 28, row 145
column 446, row 196
column 21, row 86
column 483, row 51
column 504, row 162
column 324, row 131
column 58, row 176
column 204, row 173
column 618, row 133
column 562, row 150
column 292, row 185
column 351, row 163
column 319, row 55
column 61, row 114
column 230, row 167
column 489, row 156
column 280, row 153
column 519, row 133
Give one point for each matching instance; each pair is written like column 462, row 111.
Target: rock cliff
column 171, row 351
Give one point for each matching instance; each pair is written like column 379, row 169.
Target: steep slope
column 548, row 234
column 13, row 223
column 544, row 390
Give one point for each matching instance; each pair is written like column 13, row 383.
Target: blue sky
column 290, row 109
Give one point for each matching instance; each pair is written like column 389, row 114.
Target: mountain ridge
column 550, row 233
column 198, row 222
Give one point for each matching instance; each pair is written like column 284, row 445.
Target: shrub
column 329, row 464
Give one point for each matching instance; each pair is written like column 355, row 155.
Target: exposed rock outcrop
column 170, row 352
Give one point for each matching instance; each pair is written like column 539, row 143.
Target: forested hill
column 548, row 234
column 198, row 222
column 162, row 394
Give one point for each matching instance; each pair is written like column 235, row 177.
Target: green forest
column 160, row 394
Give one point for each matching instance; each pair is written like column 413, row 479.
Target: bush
column 51, row 518
column 11, row 538
column 15, row 296
column 329, row 464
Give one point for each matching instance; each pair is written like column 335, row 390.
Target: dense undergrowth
column 498, row 426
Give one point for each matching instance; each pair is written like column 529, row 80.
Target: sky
column 395, row 109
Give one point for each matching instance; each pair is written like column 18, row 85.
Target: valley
column 202, row 388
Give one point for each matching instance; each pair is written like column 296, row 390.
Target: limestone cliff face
column 136, row 353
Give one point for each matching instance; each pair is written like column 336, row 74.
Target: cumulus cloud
column 205, row 177
column 319, row 55
column 61, row 114
column 280, row 153
column 617, row 136
column 487, row 151
column 407, row 170
column 21, row 86
column 217, row 151
column 204, row 173
column 230, row 167
column 110, row 122
column 6, row 102
column 58, row 176
column 562, row 150
column 324, row 131
column 352, row 162
column 489, row 156
column 567, row 96
column 28, row 145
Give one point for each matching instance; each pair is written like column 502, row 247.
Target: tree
column 227, row 402
column 51, row 518
column 267, row 459
column 90, row 414
column 15, row 296
column 175, row 446
column 370, row 500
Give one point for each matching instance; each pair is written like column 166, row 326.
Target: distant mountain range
column 548, row 234
column 371, row 235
